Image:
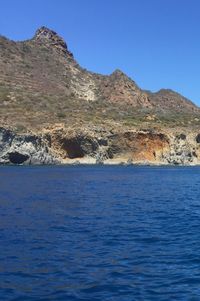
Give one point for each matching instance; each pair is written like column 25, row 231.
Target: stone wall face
column 24, row 149
column 129, row 147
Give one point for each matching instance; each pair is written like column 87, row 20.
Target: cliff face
column 61, row 146
column 24, row 149
column 54, row 111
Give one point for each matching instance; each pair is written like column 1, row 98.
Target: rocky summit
column 54, row 111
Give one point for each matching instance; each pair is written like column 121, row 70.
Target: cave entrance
column 17, row 158
column 73, row 148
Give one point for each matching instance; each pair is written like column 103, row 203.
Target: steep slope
column 43, row 69
column 119, row 88
column 54, row 111
column 44, row 65
column 169, row 100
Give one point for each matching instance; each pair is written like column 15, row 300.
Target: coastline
column 89, row 147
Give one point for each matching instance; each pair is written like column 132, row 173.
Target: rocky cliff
column 54, row 111
column 24, row 149
column 97, row 145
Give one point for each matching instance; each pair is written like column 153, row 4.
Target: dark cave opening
column 17, row 158
column 73, row 148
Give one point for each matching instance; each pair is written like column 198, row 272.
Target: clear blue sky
column 156, row 42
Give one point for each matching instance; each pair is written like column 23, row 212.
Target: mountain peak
column 48, row 36
column 118, row 72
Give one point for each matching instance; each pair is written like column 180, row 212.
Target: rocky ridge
column 55, row 112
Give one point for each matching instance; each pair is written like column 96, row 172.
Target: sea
column 99, row 233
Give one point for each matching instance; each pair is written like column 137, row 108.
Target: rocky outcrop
column 47, row 36
column 118, row 87
column 169, row 100
column 139, row 146
column 43, row 66
column 61, row 146
column 104, row 118
column 24, row 149
column 184, row 150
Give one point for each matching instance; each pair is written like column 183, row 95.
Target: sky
column 155, row 42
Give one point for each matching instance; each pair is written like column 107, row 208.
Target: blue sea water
column 99, row 233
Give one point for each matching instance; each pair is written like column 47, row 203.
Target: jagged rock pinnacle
column 118, row 72
column 46, row 35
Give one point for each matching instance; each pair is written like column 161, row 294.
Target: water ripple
column 99, row 233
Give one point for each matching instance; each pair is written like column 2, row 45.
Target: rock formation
column 54, row 111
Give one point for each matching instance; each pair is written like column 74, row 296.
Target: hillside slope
column 54, row 111
column 41, row 81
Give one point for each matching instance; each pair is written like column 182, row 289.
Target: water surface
column 99, row 233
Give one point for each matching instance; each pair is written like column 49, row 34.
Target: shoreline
column 100, row 165
column 140, row 148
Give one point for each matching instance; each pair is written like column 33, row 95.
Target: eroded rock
column 24, row 149
column 96, row 146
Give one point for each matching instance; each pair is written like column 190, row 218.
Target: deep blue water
column 99, row 233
